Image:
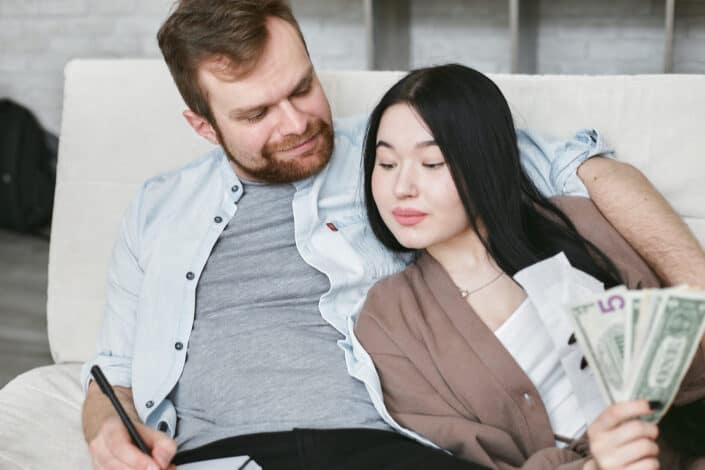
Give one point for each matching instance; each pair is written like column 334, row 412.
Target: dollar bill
column 640, row 344
column 650, row 302
column 633, row 314
column 667, row 352
column 600, row 330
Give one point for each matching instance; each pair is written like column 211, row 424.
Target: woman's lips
column 408, row 217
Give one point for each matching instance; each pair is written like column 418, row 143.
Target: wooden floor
column 23, row 296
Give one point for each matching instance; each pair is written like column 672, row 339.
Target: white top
column 525, row 336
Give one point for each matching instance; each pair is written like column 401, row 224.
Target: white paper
column 551, row 284
column 227, row 463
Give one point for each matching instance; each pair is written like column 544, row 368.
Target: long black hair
column 474, row 130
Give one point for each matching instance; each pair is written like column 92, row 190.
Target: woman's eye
column 386, row 166
column 434, row 165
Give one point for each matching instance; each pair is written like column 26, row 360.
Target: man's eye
column 303, row 91
column 434, row 165
column 257, row 117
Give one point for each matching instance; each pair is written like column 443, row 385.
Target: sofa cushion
column 40, row 412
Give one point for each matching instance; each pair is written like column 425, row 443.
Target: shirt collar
column 232, row 182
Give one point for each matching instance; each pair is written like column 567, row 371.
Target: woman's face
column 411, row 183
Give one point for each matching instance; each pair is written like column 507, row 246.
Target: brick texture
column 38, row 37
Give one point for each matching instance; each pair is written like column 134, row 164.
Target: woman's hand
column 619, row 441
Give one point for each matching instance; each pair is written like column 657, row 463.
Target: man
column 235, row 280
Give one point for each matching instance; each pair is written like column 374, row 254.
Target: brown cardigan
column 445, row 374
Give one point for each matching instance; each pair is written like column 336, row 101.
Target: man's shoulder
column 344, row 168
column 351, row 128
column 185, row 185
column 200, row 169
column 163, row 196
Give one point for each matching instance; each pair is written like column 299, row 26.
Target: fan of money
column 640, row 343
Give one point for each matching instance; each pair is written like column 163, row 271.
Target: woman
column 458, row 338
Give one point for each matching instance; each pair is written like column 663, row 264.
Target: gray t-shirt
column 260, row 357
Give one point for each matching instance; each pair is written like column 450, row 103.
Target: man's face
column 275, row 122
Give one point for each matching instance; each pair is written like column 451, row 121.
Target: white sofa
column 122, row 123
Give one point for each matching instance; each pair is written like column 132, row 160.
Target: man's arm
column 97, row 409
column 646, row 220
column 109, row 442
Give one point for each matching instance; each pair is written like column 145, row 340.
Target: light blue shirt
column 170, row 228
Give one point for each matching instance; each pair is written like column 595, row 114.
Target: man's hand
column 109, row 442
column 113, row 448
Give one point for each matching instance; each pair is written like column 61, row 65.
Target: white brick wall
column 601, row 37
column 334, row 31
column 475, row 33
column 37, row 37
column 689, row 56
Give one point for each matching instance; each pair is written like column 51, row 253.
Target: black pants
column 330, row 449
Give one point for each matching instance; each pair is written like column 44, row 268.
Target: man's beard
column 277, row 171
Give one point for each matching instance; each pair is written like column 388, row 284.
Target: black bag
column 27, row 169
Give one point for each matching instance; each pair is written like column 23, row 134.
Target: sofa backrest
column 122, row 124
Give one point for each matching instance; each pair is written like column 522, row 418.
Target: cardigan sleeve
column 414, row 402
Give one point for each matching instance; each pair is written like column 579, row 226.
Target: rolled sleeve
column 118, row 370
column 552, row 164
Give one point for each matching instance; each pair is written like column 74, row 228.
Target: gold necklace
column 465, row 293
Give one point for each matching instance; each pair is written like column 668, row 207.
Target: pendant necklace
column 465, row 293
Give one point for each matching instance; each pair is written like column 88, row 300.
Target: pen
column 108, row 390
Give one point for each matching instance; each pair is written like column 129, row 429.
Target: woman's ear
column 201, row 126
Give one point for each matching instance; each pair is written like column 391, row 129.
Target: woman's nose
column 405, row 184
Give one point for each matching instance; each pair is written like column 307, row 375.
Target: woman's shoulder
column 390, row 296
column 392, row 288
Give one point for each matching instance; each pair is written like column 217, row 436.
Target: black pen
column 108, row 390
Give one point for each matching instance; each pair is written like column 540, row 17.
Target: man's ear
column 201, row 126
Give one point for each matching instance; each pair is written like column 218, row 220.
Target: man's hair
column 232, row 32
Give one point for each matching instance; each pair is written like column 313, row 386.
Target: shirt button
column 218, row 219
column 583, row 363
column 149, row 404
column 235, row 188
column 163, row 426
column 190, row 276
column 179, row 346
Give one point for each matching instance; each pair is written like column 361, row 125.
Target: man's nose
column 293, row 121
